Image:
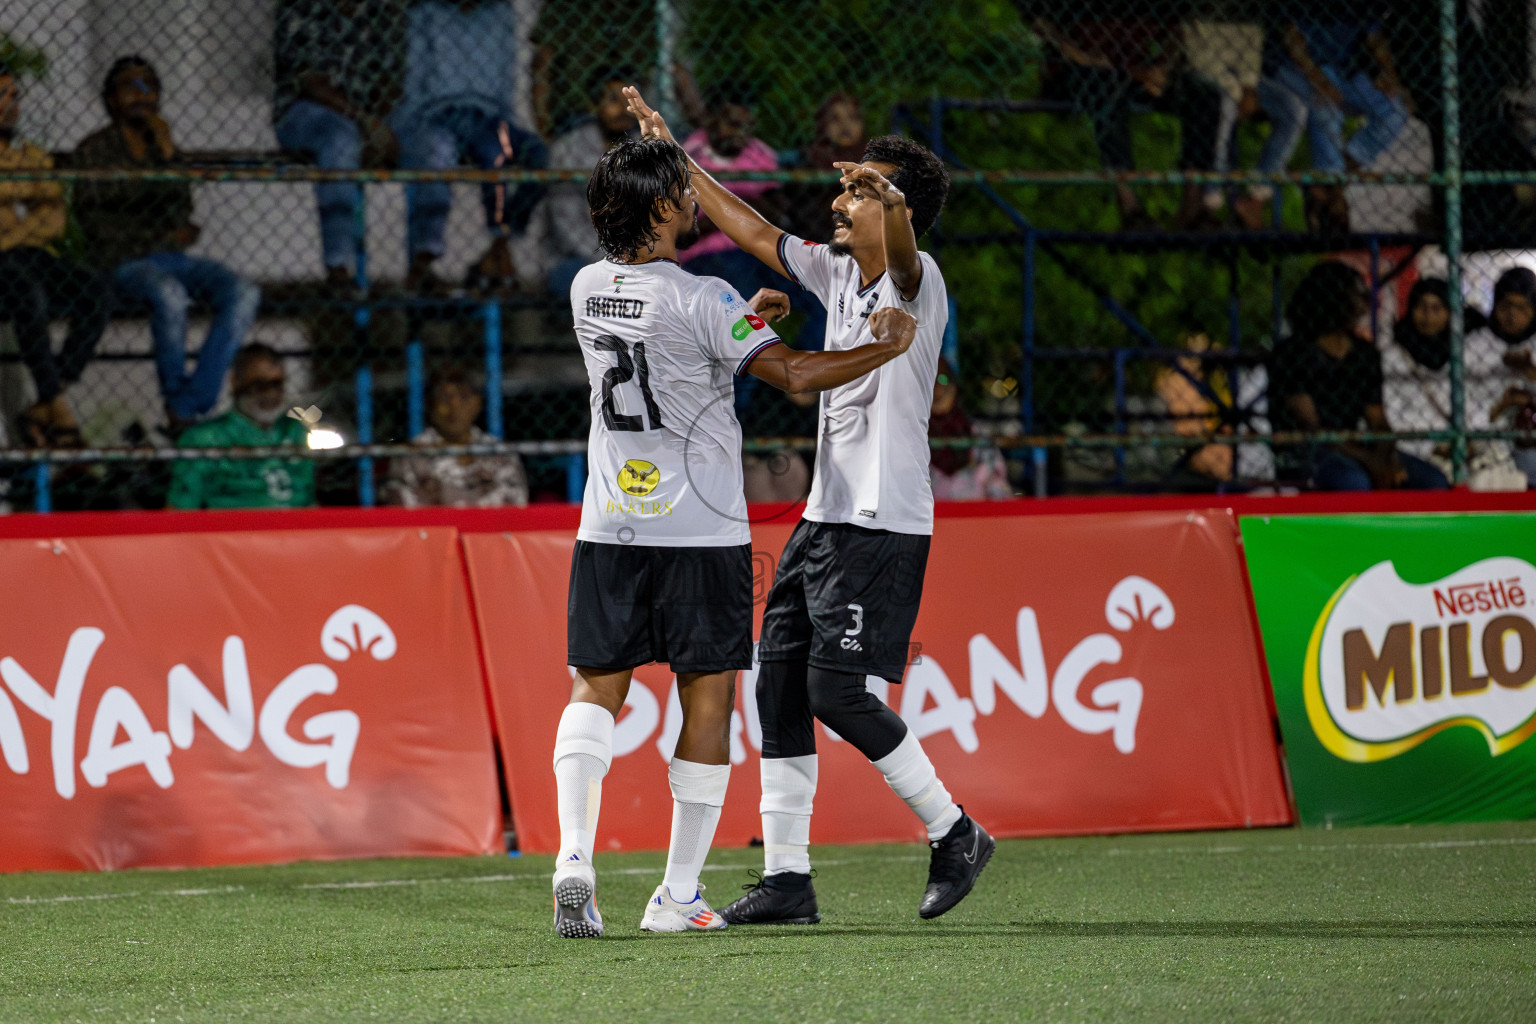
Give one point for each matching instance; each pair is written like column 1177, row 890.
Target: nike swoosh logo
column 970, row 858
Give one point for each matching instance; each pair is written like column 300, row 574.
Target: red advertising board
column 236, row 698
column 1095, row 673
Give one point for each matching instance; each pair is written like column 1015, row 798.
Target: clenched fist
column 894, row 326
column 770, row 304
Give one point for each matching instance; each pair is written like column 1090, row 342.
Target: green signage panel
column 1402, row 651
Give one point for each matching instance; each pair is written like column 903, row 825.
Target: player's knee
column 835, row 696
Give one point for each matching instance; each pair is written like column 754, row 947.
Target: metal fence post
column 367, row 495
column 491, row 312
column 415, row 388
column 1450, row 87
column 1027, row 385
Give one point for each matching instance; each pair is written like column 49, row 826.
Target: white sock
column 583, row 752
column 789, row 787
column 698, row 793
column 911, row 775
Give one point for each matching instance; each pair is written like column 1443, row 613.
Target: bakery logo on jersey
column 614, row 309
column 746, row 325
column 1390, row 664
column 638, row 477
column 618, row 283
column 122, row 737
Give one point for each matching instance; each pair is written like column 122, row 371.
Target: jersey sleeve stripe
column 784, row 258
column 741, row 368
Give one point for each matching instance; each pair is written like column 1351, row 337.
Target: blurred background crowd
column 1216, row 247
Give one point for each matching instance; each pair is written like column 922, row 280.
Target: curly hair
column 635, row 184
column 919, row 174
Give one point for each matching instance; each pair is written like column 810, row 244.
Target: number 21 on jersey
column 629, row 368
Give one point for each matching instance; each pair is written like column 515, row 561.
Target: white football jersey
column 872, row 450
column 664, row 455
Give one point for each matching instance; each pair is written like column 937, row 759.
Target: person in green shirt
column 256, row 420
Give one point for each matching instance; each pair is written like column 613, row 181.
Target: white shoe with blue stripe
column 576, row 915
column 664, row 914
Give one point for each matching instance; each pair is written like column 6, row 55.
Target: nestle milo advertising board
column 1402, row 651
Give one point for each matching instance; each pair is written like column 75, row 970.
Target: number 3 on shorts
column 858, row 620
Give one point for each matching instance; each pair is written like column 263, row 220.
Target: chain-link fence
column 1189, row 245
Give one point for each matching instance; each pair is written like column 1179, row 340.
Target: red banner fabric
column 236, row 698
column 1078, row 674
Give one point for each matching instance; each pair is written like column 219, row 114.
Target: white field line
column 518, row 877
column 1441, row 844
column 1114, row 851
column 124, row 895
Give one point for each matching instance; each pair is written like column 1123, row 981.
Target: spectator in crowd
column 140, row 231
column 476, row 481
column 256, row 421
column 840, row 138
column 972, row 473
column 1326, row 376
column 1107, row 66
column 456, row 103
column 338, row 66
column 1500, row 371
column 726, row 143
column 573, row 38
column 1322, row 65
column 1418, row 385
column 36, row 285
column 1196, row 399
column 568, row 231
column 1229, row 54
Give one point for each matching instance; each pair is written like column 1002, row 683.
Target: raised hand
column 869, row 183
column 770, row 304
column 893, row 325
column 651, row 124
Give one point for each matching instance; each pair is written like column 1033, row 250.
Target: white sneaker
column 576, row 915
column 664, row 914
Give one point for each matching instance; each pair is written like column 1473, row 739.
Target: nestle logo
column 1483, row 596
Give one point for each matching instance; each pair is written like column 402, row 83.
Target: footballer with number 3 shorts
column 846, row 593
column 662, row 569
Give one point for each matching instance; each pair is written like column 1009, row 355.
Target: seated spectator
column 1107, row 67
column 256, row 421
column 1195, row 399
column 1499, row 371
column 464, row 481
column 36, row 286
column 568, row 231
column 1317, row 72
column 337, row 65
column 456, row 103
column 972, row 473
column 571, row 39
column 140, row 231
column 1326, row 376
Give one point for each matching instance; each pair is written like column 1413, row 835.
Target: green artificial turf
column 1391, row 924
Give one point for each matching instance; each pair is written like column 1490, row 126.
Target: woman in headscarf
column 1500, row 370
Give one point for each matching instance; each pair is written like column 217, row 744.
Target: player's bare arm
column 865, row 184
column 799, row 372
column 731, row 214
